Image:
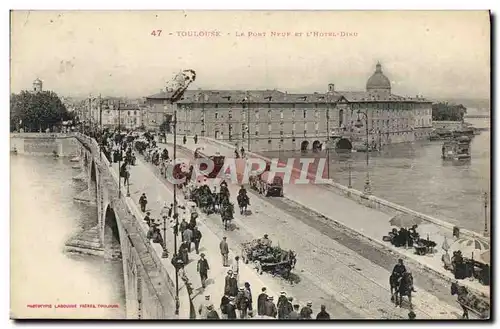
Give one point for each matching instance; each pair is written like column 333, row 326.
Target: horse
column 401, row 286
column 243, row 202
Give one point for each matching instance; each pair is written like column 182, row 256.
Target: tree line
column 37, row 111
column 448, row 112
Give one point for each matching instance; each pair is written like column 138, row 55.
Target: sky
column 77, row 53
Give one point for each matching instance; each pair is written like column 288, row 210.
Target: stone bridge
column 149, row 279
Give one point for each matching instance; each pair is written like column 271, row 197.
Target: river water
column 43, row 217
column 415, row 176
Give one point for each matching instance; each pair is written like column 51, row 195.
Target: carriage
column 471, row 302
column 267, row 187
column 272, row 259
column 217, row 160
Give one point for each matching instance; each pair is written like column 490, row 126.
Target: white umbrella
column 485, row 257
column 470, row 247
column 445, row 245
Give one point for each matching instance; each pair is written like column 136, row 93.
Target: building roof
column 249, row 96
column 370, row 96
column 378, row 80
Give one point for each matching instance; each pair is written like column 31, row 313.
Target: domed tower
column 378, row 82
column 37, row 85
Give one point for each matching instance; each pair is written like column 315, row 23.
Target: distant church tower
column 37, row 85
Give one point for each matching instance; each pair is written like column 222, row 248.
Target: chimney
column 331, row 87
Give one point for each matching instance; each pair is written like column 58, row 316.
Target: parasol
column 485, row 257
column 470, row 247
column 404, row 220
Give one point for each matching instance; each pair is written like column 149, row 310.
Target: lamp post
column 176, row 214
column 350, row 173
column 485, row 199
column 359, row 124
column 328, row 137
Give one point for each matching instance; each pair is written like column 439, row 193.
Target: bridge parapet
column 156, row 301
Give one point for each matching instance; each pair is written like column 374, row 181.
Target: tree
column 35, row 111
column 448, row 112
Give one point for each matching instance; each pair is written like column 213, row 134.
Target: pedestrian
column 143, row 201
column 233, row 285
column 294, row 315
column 224, row 301
column 147, row 219
column 164, row 211
column 412, row 315
column 261, row 302
column 306, row 311
column 242, row 150
column 270, row 308
column 282, row 300
column 192, row 221
column 212, row 314
column 323, row 314
column 184, row 139
column 182, row 227
column 224, row 250
column 203, row 269
column 202, row 310
column 187, row 237
column 231, row 308
column 248, row 294
column 196, row 239
column 241, row 303
column 288, row 307
column 227, row 282
column 195, row 139
column 170, row 210
column 236, row 267
column 183, row 251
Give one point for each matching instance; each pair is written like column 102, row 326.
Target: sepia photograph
column 250, row 165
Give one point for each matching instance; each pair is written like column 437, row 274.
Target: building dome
column 378, row 81
column 37, row 81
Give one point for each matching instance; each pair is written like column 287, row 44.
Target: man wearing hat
column 265, row 241
column 412, row 315
column 203, row 269
column 236, row 267
column 147, row 219
column 143, row 201
column 224, row 250
column 242, row 302
column 261, row 302
column 212, row 314
column 281, row 303
column 202, row 310
column 306, row 311
column 288, row 307
column 271, row 308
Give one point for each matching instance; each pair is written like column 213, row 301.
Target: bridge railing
column 368, row 200
column 165, row 268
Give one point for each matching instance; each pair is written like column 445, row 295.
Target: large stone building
column 275, row 120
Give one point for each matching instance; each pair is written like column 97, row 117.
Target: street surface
column 334, row 267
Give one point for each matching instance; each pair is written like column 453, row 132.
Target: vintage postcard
column 323, row 165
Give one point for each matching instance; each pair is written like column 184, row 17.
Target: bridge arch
column 304, row 145
column 343, row 145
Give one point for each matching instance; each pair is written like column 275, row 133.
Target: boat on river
column 457, row 148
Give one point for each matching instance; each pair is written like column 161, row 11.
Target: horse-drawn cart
column 267, row 258
column 471, row 302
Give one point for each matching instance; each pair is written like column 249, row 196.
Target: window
column 230, row 114
column 293, row 114
column 281, row 114
column 135, row 112
column 257, row 130
column 304, row 113
column 305, row 132
column 316, row 114
column 316, row 126
column 129, row 113
column 257, row 114
column 216, row 115
column 293, row 126
column 281, row 132
column 269, row 114
column 269, row 127
column 268, row 141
